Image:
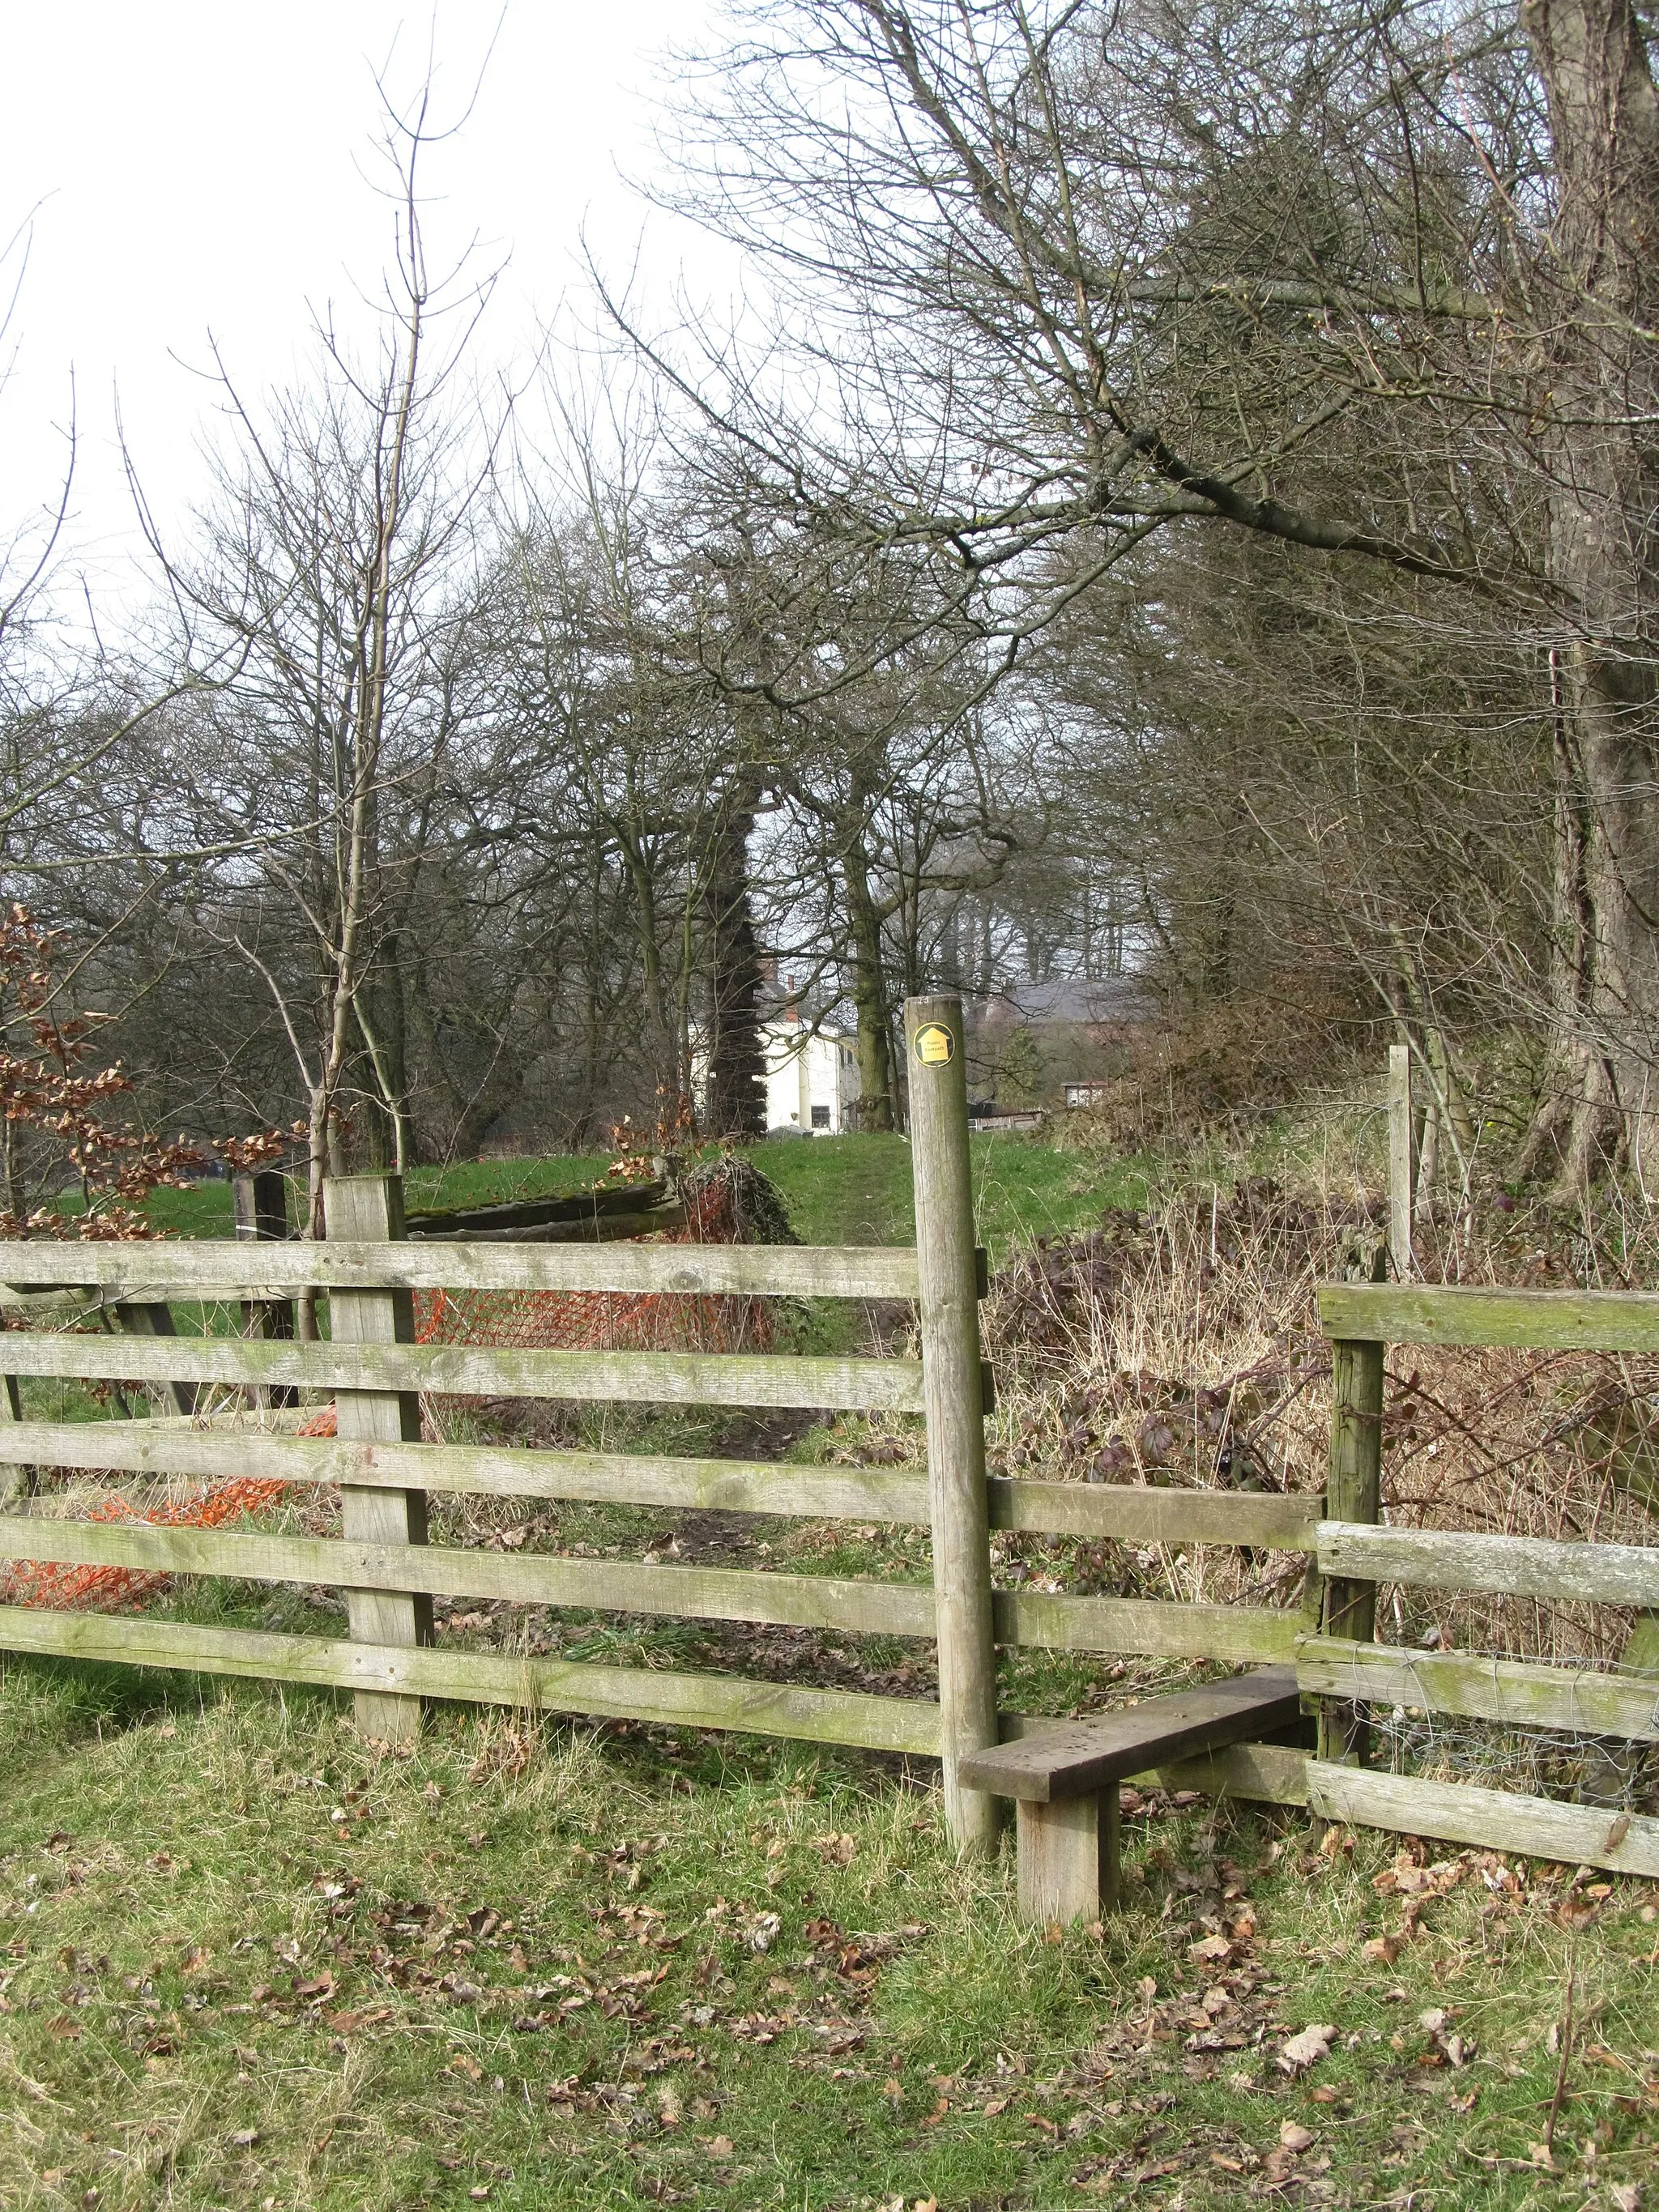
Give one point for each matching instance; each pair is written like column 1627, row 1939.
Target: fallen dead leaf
column 1306, row 2049
column 720, row 2146
column 1294, row 2135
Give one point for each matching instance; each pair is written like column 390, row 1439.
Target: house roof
column 1073, row 999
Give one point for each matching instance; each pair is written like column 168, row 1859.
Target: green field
column 839, row 1190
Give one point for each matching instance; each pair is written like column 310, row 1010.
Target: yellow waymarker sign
column 934, row 1044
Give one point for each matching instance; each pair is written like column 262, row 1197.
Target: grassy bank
column 840, row 1190
column 249, row 1964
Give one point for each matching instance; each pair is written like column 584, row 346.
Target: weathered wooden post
column 1353, row 1491
column 155, row 1318
column 369, row 1209
column 1401, row 1132
column 260, row 1205
column 948, row 1266
column 15, row 1481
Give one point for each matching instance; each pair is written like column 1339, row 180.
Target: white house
column 811, row 1077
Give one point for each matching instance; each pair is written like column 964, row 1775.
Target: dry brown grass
column 1182, row 1348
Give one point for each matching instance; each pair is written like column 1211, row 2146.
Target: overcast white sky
column 198, row 165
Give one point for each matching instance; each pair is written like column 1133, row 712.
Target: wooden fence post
column 260, row 1205
column 369, row 1209
column 1353, row 1491
column 155, row 1319
column 948, row 1268
column 1401, row 1134
column 15, row 1481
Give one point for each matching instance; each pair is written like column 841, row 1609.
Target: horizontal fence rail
column 147, row 1448
column 689, row 1378
column 1144, row 1627
column 1111, row 1511
column 1022, row 1619
column 1521, row 1693
column 1534, row 1320
column 514, row 1577
column 250, row 1268
column 679, row 1700
column 1522, row 1566
column 1459, row 1812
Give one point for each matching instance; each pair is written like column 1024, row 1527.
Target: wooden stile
column 948, row 1276
column 370, row 1208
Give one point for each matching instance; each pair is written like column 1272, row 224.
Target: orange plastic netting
column 574, row 1320
column 591, row 1321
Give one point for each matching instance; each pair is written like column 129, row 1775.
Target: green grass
column 204, row 1210
column 857, row 1190
column 246, row 1962
column 839, row 1190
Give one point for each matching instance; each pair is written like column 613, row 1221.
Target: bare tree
column 339, row 565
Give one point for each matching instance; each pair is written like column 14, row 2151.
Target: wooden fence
column 1348, row 1671
column 389, row 1571
column 376, row 1375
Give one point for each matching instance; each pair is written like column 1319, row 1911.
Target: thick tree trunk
column 1601, row 292
column 737, row 1064
column 877, row 1105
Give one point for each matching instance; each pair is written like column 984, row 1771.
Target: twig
column 1566, row 2049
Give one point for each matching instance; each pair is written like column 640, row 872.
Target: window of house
column 820, row 1117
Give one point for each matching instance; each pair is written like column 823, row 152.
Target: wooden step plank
column 1073, row 1759
column 464, row 1371
column 1553, row 1321
column 679, row 1700
column 229, row 1268
column 1524, row 1566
